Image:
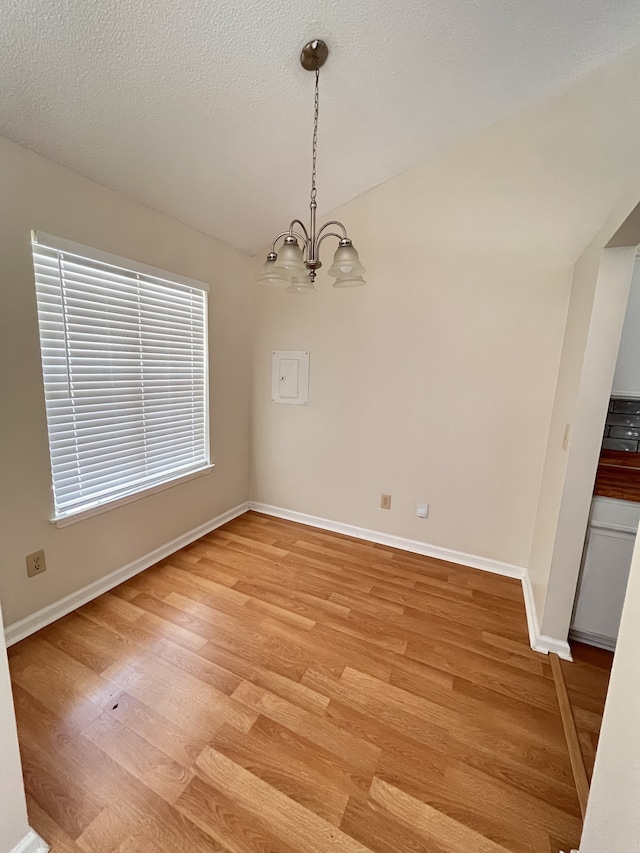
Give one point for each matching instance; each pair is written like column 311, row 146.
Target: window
column 124, row 360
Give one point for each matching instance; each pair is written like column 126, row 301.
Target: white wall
column 437, row 381
column 38, row 194
column 626, row 379
column 599, row 292
column 612, row 823
column 14, row 824
column 432, row 383
column 596, row 313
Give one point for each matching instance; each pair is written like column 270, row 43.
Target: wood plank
column 274, row 682
column 291, row 764
column 573, row 743
column 67, row 803
column 154, row 768
column 139, row 811
column 415, row 762
column 261, row 590
column 435, row 727
column 318, row 730
column 61, row 683
column 48, row 828
column 178, row 742
column 189, row 702
column 229, row 825
column 369, row 824
column 429, row 823
column 286, row 819
column 535, row 689
column 136, row 625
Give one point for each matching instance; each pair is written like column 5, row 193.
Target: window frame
column 98, row 506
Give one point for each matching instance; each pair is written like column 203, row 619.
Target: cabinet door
column 603, row 582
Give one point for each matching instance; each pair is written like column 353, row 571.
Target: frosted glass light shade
column 290, row 262
column 346, row 263
column 270, row 276
column 301, row 284
column 349, row 281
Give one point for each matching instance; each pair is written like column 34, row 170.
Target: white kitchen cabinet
column 605, row 571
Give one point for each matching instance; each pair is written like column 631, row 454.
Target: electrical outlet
column 385, row 501
column 36, row 564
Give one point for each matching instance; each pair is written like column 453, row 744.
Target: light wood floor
column 277, row 689
column 587, row 680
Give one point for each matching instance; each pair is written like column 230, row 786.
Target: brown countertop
column 618, row 475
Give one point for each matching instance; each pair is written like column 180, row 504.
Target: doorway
column 615, row 508
column 601, row 286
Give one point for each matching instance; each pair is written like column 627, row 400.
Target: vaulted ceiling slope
column 201, row 110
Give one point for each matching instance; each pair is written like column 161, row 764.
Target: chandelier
column 295, row 263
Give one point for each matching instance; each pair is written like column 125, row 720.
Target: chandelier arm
column 334, row 222
column 290, row 233
column 279, row 237
column 321, row 238
column 304, row 230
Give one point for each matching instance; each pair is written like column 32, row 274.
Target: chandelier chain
column 315, row 136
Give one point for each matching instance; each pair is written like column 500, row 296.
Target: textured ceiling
column 201, row 110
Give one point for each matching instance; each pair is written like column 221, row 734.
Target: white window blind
column 124, row 359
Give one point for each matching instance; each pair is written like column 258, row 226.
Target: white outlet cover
column 422, row 510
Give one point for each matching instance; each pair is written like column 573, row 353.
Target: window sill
column 81, row 515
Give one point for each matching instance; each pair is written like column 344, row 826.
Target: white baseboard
column 530, row 610
column 591, row 639
column 24, row 627
column 545, row 645
column 540, row 642
column 31, row 843
column 413, row 545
